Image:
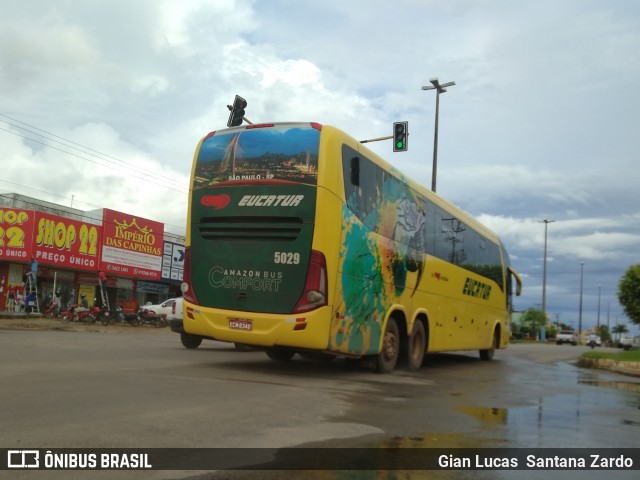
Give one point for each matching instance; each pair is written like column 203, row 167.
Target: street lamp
column 580, row 311
column 599, row 292
column 544, row 269
column 439, row 88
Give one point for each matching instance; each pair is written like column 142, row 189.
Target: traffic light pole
column 376, row 139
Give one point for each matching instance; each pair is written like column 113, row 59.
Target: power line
column 86, row 149
column 147, row 174
column 65, row 213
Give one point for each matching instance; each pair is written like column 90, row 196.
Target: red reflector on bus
column 209, row 135
column 315, row 125
column 314, row 294
column 217, row 202
column 258, row 125
column 186, row 287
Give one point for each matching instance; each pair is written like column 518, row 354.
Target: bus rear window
column 252, row 155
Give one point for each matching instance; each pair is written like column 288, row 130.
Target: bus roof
column 432, row 196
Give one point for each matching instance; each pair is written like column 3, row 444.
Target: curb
column 626, row 368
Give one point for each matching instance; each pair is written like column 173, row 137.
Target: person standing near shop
column 11, row 297
column 19, row 305
column 34, row 274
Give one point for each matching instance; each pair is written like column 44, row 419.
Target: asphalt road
column 105, row 387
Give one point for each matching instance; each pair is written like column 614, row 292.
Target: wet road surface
column 115, row 389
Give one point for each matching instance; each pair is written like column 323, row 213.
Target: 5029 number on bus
column 286, row 258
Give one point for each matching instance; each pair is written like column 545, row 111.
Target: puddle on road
column 619, row 385
column 486, row 415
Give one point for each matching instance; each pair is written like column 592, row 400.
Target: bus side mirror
column 355, row 171
column 517, row 279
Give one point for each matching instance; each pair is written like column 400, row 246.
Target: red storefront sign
column 16, row 234
column 65, row 242
column 131, row 246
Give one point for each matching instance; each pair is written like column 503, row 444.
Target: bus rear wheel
column 280, row 354
column 388, row 356
column 417, row 346
column 489, row 353
column 190, row 341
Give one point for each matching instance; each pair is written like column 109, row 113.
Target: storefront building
column 142, row 262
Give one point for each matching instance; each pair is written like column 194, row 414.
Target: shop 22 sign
column 65, row 242
column 16, row 229
column 131, row 245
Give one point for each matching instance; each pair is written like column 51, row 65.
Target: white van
column 176, row 310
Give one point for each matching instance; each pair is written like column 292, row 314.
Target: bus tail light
column 314, row 294
column 185, row 287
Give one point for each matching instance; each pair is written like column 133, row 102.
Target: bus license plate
column 240, row 324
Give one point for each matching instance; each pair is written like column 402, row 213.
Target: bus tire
column 489, row 353
column 280, row 354
column 190, row 341
column 388, row 356
column 417, row 346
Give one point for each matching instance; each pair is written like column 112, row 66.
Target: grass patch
column 628, row 356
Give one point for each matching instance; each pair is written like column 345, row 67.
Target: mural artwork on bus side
column 382, row 242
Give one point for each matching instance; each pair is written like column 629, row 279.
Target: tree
column 532, row 320
column 603, row 332
column 620, row 329
column 629, row 293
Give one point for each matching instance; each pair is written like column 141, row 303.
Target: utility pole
column 599, row 291
column 580, row 311
column 544, row 269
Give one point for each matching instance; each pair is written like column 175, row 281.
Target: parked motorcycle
column 149, row 317
column 67, row 315
column 121, row 316
column 52, row 310
column 106, row 316
column 87, row 316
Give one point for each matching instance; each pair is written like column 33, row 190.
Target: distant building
column 142, row 261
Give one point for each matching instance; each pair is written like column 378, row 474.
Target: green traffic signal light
column 400, row 136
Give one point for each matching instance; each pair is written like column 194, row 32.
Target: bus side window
column 355, row 171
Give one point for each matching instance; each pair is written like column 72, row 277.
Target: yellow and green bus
column 300, row 239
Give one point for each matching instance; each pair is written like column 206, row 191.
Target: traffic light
column 237, row 111
column 400, row 136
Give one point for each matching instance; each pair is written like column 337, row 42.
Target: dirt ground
column 40, row 323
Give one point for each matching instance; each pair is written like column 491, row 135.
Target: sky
column 103, row 103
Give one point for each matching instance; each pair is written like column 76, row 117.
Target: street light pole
column 580, row 311
column 439, row 88
column 544, row 269
column 599, row 292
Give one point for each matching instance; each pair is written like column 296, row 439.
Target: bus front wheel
column 417, row 346
column 388, row 356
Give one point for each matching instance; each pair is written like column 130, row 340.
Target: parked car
column 164, row 308
column 566, row 336
column 627, row 343
column 595, row 340
column 176, row 310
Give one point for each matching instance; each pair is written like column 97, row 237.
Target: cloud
column 540, row 124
